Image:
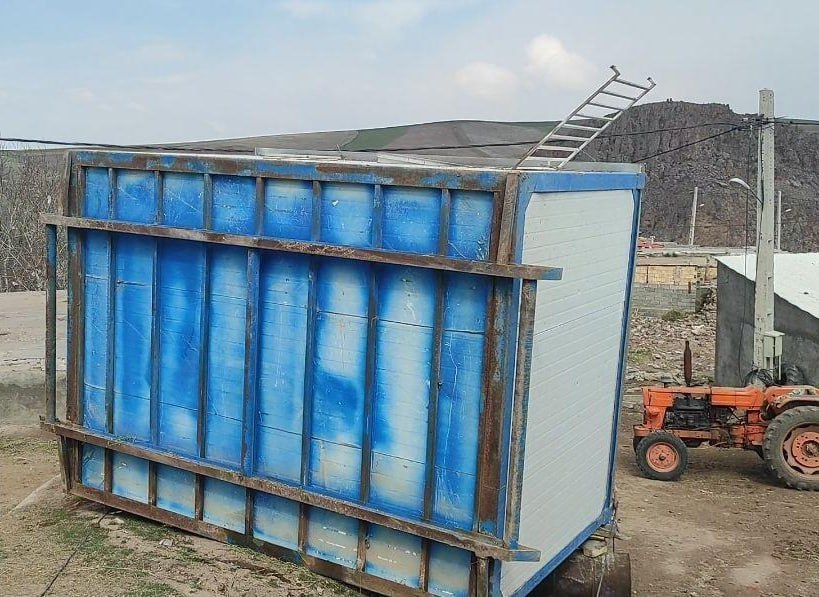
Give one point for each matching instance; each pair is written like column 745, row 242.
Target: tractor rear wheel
column 662, row 456
column 791, row 447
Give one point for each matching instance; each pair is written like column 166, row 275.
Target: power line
column 186, row 147
column 796, row 121
column 690, row 144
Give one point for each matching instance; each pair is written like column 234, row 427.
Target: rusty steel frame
column 493, row 483
column 534, row 272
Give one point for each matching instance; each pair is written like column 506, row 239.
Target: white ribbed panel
column 575, row 365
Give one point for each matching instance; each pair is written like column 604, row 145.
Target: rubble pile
column 656, row 347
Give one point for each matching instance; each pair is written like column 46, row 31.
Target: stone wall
column 657, row 299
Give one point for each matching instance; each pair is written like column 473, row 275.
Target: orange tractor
column 780, row 423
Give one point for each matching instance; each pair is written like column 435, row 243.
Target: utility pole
column 779, row 221
column 693, row 218
column 764, row 295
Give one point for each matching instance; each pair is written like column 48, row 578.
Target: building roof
column 796, row 276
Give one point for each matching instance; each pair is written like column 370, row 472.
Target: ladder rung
column 581, row 127
column 586, row 116
column 630, row 84
column 557, row 148
column 620, row 95
column 569, row 138
column 606, row 106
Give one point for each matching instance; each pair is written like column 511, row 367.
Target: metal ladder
column 580, row 127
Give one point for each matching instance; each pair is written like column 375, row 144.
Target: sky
column 177, row 70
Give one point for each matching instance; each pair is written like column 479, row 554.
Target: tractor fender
column 798, row 396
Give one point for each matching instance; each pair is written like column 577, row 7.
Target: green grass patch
column 639, row 356
column 146, row 529
column 673, row 315
column 24, row 446
column 188, row 555
column 85, row 536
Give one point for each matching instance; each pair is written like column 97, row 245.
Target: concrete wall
column 656, row 299
column 735, row 331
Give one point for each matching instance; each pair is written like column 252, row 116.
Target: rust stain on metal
column 481, row 545
column 534, row 272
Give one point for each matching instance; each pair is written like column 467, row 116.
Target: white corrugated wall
column 575, row 365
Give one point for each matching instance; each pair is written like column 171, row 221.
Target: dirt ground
column 60, row 545
column 724, row 529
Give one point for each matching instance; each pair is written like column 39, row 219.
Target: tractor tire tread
column 772, row 446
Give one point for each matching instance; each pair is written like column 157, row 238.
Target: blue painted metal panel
column 393, row 555
column 175, row 490
column 460, row 399
column 470, row 225
column 224, row 504
column 130, row 477
column 282, row 346
column 97, row 303
column 449, row 569
column 276, row 520
column 92, row 472
column 183, row 200
column 180, row 299
column 332, row 537
column 411, row 219
column 135, row 197
column 97, row 193
column 347, row 214
column 234, row 204
column 312, row 392
column 338, row 376
column 133, row 315
column 288, row 209
column 404, row 337
column 226, row 355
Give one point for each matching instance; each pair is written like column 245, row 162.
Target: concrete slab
column 22, row 356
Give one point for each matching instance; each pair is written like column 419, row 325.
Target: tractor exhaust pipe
column 687, row 373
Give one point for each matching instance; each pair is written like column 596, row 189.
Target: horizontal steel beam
column 345, row 171
column 526, row 272
column 480, row 545
column 337, row 571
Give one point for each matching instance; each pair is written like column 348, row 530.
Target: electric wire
column 689, row 144
column 190, row 147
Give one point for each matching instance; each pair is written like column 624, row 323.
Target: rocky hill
column 671, row 177
column 708, row 165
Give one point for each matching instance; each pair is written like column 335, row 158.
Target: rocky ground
column 656, row 347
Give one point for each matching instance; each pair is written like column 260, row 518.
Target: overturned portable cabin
column 343, row 362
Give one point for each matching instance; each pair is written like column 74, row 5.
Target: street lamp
column 741, row 183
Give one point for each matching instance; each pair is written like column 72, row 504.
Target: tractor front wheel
column 662, row 456
column 791, row 447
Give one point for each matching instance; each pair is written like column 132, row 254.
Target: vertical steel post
column 693, row 218
column 764, row 295
column 526, row 329
column 51, row 324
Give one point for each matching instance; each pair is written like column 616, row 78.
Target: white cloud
column 550, row 59
column 486, row 80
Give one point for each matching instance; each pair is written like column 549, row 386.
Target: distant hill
column 671, row 177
